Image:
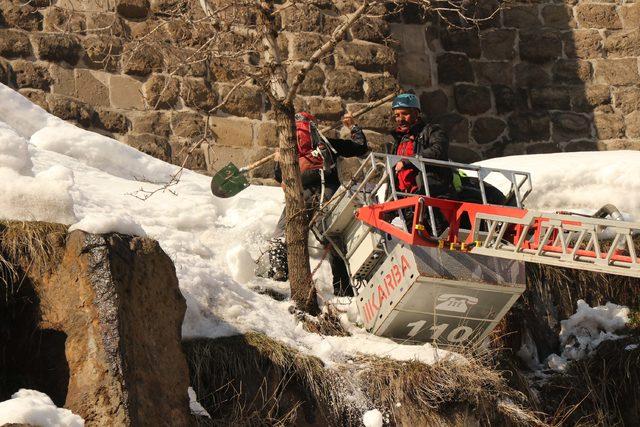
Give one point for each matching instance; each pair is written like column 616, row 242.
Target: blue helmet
column 405, row 100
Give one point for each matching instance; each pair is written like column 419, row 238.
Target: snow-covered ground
column 53, row 171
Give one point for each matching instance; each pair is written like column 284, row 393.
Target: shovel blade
column 228, row 182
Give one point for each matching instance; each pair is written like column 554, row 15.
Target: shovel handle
column 257, row 163
column 363, row 110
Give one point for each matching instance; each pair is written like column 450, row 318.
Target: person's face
column 406, row 117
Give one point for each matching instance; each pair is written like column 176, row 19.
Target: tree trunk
column 303, row 291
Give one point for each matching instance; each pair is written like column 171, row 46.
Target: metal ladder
column 600, row 245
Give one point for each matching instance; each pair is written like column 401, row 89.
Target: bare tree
column 259, row 23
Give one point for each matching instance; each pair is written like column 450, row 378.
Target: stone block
column 7, row 75
column 19, row 14
column 529, row 126
column 370, row 29
column 472, row 99
column 303, row 45
column 378, row 119
column 345, row 83
column 618, row 72
column 266, row 134
column 163, row 6
column 493, row 72
column 68, row 108
column 521, row 16
column 568, row 71
column 223, row 155
column 622, row 44
column 630, row 14
column 125, row 93
column 434, row 103
column 245, row 101
column 550, row 98
column 456, row 127
column 543, row 148
column 231, row 131
column 531, row 75
column 302, row 17
column 63, row 80
column 141, row 59
column 84, row 5
column 153, row 145
column 185, row 151
column 568, row 126
column 313, row 83
column 586, row 98
column 102, row 52
column 31, row 75
column 161, row 92
column 454, row 67
column 107, row 24
column 632, row 124
column 92, row 87
column 152, row 122
column 540, row 46
column 325, row 108
column 133, row 9
column 196, row 93
column 463, row 154
column 110, row 120
column 463, row 41
column 507, row 99
column 380, row 85
column 582, row 145
column 411, row 38
column 377, row 141
column 187, row 124
column 620, row 144
column 583, row 44
column 58, row 47
column 498, row 44
column 487, row 129
column 414, row 70
column 627, row 100
column 365, row 56
column 609, row 126
column 14, row 44
column 558, row 16
column 598, row 15
column 36, row 96
column 59, row 20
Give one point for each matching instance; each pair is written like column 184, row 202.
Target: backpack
column 313, row 152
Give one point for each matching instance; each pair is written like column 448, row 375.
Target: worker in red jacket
column 414, row 137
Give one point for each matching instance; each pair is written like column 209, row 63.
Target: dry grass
column 254, row 380
column 599, row 390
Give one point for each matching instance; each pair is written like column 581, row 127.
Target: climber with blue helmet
column 414, row 137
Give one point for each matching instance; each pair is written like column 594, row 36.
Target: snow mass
column 53, row 171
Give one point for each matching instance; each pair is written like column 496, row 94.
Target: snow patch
column 241, row 265
column 195, row 406
column 585, row 330
column 36, row 408
column 101, row 224
column 372, row 418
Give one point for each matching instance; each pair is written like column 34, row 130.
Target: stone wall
column 537, row 77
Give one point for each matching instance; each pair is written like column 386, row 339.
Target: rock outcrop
column 95, row 322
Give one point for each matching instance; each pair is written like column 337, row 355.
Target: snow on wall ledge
column 92, row 180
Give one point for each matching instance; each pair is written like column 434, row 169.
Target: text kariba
column 382, row 291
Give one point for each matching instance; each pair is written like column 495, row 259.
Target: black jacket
column 430, row 141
